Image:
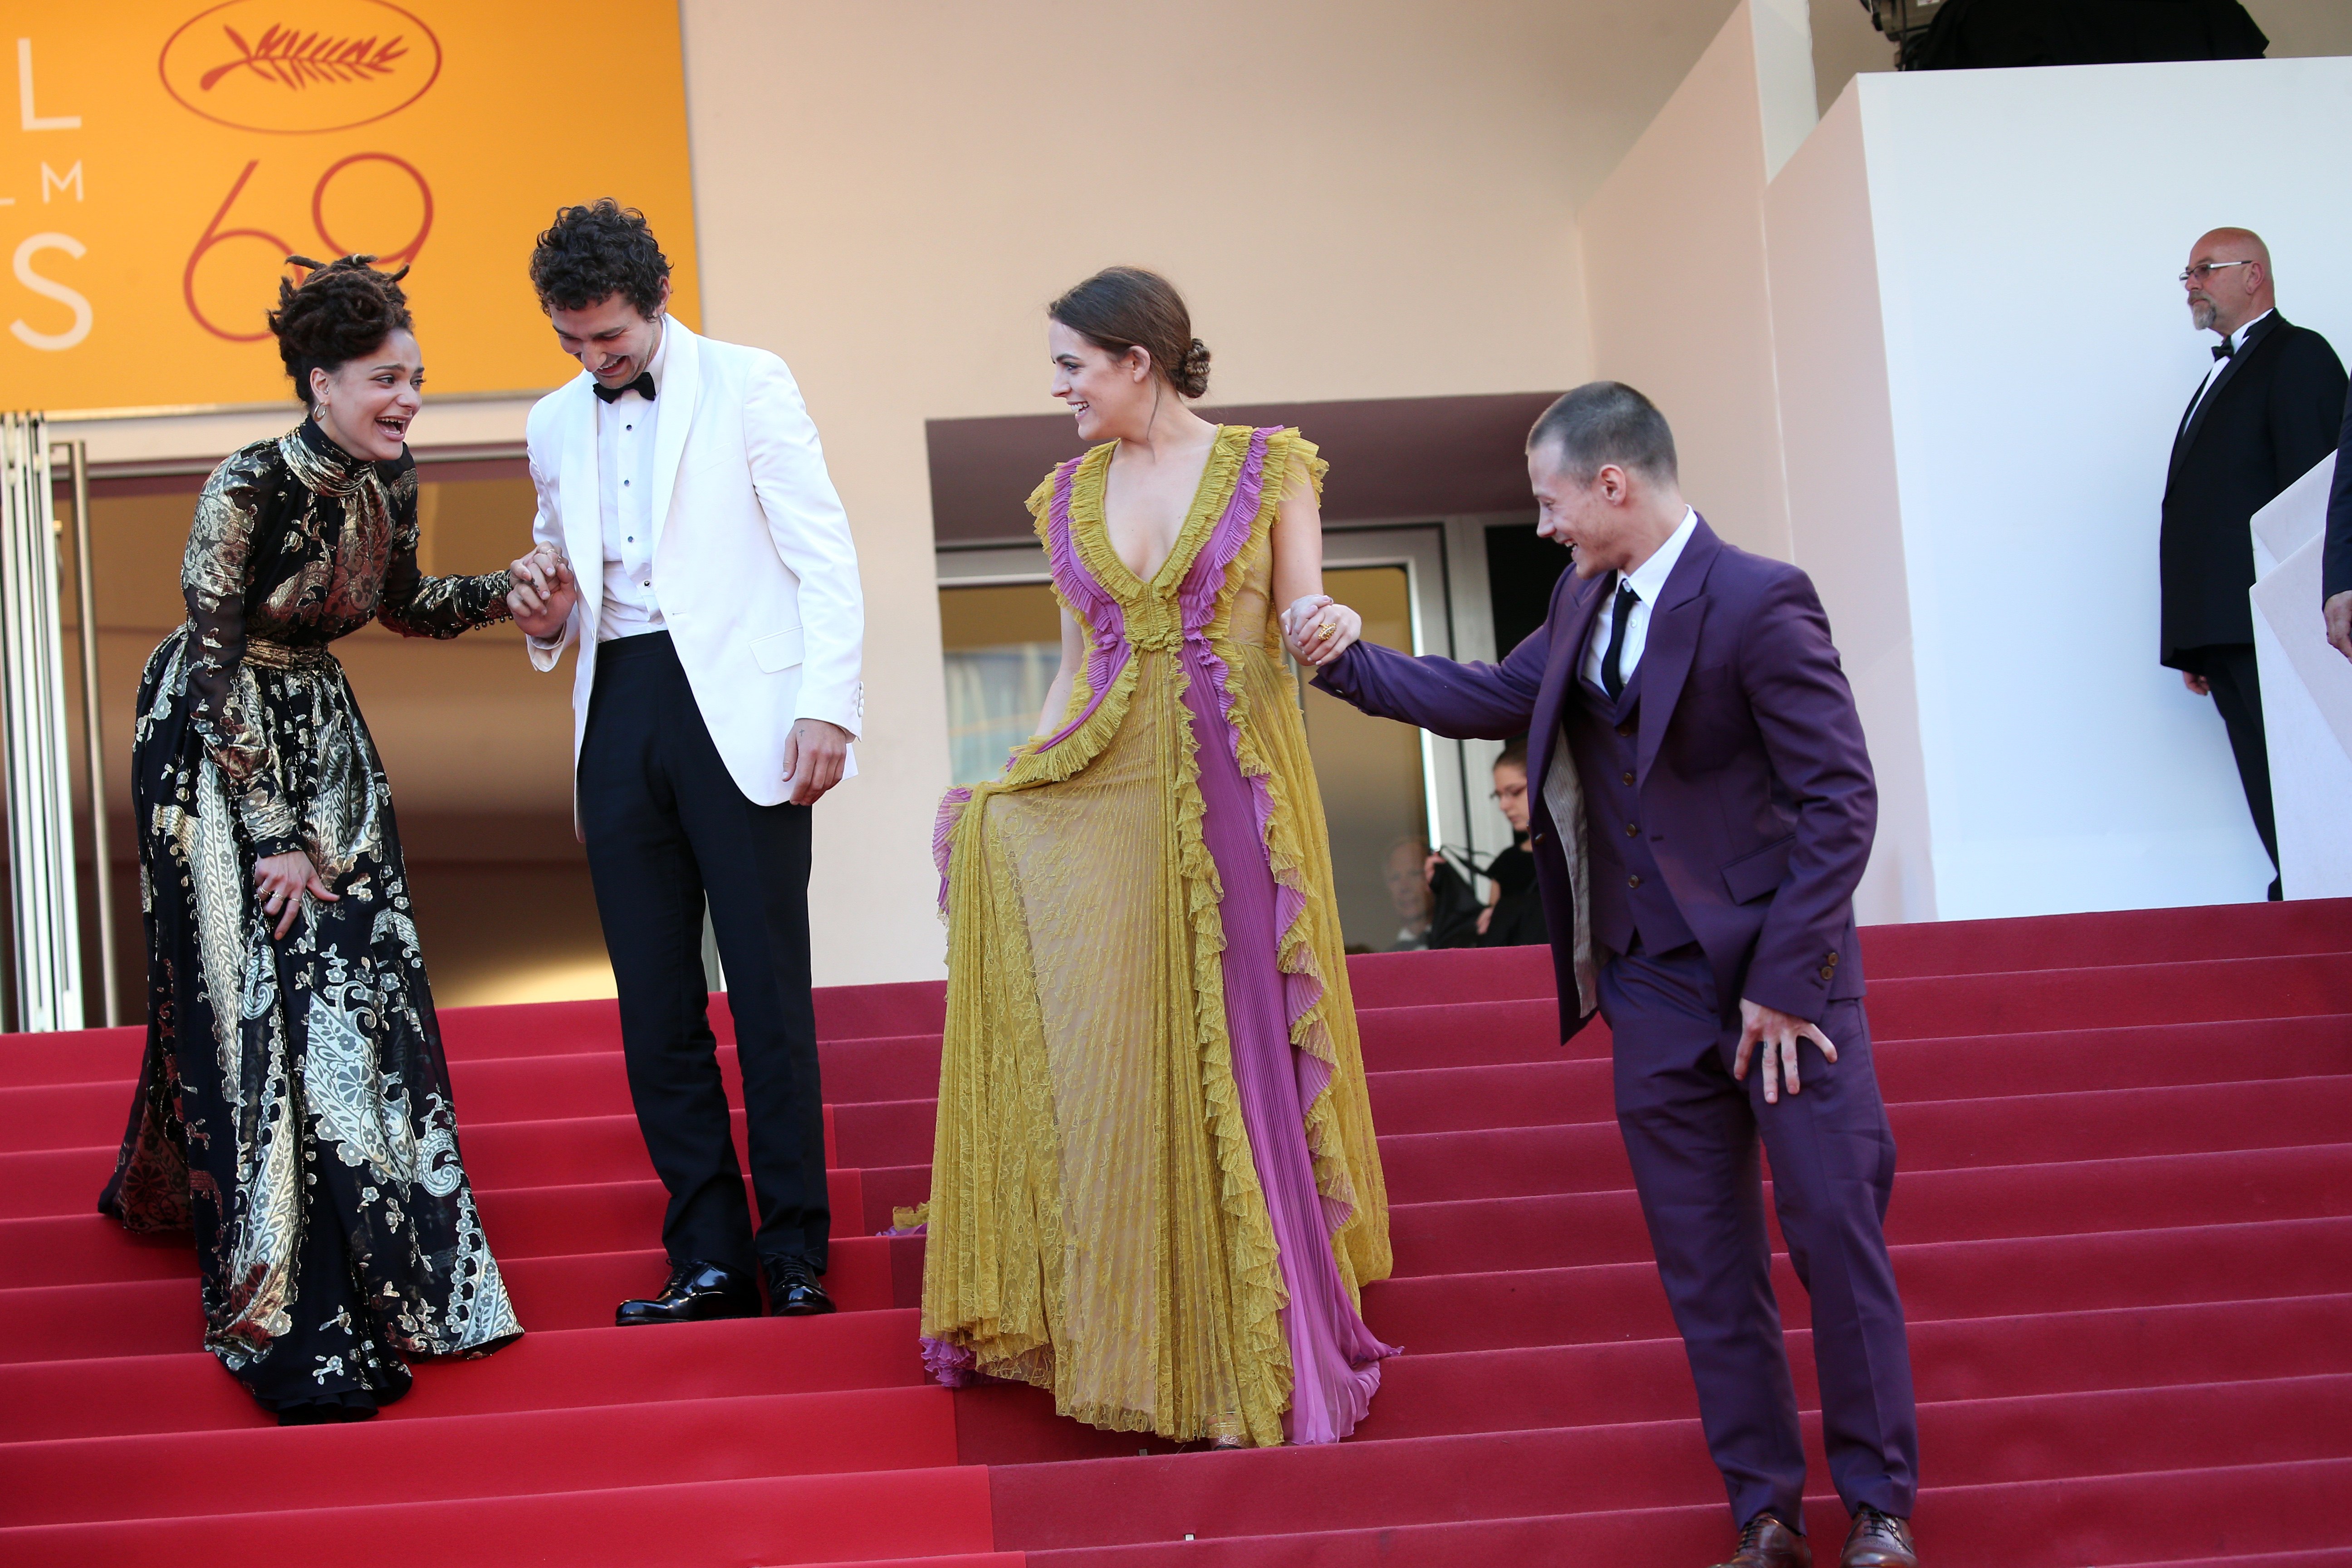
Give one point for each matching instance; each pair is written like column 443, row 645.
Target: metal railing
column 33, row 735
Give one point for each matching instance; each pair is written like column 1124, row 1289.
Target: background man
column 1704, row 812
column 2266, row 411
column 719, row 627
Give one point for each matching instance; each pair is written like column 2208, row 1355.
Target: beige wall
column 1674, row 261
column 1358, row 200
column 1845, row 512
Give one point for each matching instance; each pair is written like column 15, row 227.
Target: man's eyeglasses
column 2205, row 270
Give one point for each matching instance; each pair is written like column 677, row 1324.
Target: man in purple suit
column 1705, row 812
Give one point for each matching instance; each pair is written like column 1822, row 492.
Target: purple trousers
column 1693, row 1132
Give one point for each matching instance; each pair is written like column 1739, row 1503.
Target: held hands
column 2338, row 611
column 814, row 754
column 280, row 881
column 1318, row 631
column 1779, row 1032
column 544, row 594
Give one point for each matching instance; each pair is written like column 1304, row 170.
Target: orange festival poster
column 159, row 160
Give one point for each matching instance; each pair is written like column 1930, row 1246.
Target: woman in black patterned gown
column 293, row 1109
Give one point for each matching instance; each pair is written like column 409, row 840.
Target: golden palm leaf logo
column 298, row 59
column 298, row 67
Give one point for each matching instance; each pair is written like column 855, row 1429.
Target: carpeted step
column 773, row 1520
column 591, row 1447
column 1554, row 1088
column 1658, row 1464
column 2037, row 1001
column 2104, row 940
column 156, row 1317
column 544, row 1370
column 548, row 1238
column 89, row 1248
column 2053, row 1525
column 2016, row 1132
column 2018, row 1278
column 1425, row 1394
column 1566, row 1229
column 1549, row 1228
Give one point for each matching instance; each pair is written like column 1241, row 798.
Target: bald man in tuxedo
column 2267, row 410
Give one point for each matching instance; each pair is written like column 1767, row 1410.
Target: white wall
column 2029, row 227
column 1846, row 515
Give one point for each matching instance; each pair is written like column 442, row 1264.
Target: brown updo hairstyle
column 339, row 312
column 1123, row 307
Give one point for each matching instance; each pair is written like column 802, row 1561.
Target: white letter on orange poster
column 51, row 343
column 33, row 120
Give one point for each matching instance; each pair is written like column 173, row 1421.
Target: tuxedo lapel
column 2194, row 419
column 673, row 415
column 583, row 512
column 1671, row 643
column 1559, row 674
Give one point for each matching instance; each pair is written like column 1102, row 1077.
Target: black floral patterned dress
column 294, row 1107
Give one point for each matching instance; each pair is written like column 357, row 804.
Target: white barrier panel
column 2306, row 693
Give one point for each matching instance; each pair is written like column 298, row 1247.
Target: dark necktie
column 643, row 386
column 1612, row 675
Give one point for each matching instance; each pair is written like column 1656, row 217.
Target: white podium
column 2306, row 693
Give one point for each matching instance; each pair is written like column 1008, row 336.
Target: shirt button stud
column 1622, row 729
column 1629, row 778
column 1633, row 830
column 1634, row 880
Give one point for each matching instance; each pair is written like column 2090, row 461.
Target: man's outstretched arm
column 1446, row 697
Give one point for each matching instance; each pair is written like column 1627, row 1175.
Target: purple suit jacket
column 1753, row 781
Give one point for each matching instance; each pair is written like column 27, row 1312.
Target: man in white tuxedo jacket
column 689, row 543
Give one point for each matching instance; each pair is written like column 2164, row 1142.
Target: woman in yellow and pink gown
column 1155, row 1189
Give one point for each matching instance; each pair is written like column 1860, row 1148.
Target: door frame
column 1444, row 560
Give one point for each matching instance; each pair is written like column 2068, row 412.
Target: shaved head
column 2229, row 280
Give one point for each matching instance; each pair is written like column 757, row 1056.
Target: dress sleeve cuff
column 268, row 822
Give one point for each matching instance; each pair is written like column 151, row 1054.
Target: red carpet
column 2123, row 1227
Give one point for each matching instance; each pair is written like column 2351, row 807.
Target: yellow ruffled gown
column 1155, row 1188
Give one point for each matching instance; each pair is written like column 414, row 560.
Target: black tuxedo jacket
column 2272, row 414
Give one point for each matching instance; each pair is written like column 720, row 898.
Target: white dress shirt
column 624, row 495
column 2238, row 340
column 1648, row 581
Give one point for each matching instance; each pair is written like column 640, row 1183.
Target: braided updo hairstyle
column 1123, row 307
column 339, row 312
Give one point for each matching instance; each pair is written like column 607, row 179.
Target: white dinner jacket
column 752, row 561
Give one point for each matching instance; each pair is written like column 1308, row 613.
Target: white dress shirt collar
column 1649, row 579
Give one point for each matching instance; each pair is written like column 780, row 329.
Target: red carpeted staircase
column 2123, row 1227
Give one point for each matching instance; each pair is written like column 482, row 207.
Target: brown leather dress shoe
column 1878, row 1541
column 1769, row 1543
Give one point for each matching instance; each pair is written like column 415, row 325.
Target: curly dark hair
column 340, row 311
column 594, row 252
column 1123, row 307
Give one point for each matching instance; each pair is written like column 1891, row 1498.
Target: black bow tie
column 2224, row 351
column 643, row 386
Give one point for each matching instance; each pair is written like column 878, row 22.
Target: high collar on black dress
column 325, row 467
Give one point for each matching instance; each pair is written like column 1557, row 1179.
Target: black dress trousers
column 667, row 830
column 2235, row 675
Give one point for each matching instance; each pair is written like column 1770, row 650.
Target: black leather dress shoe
column 696, row 1293
column 792, row 1290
